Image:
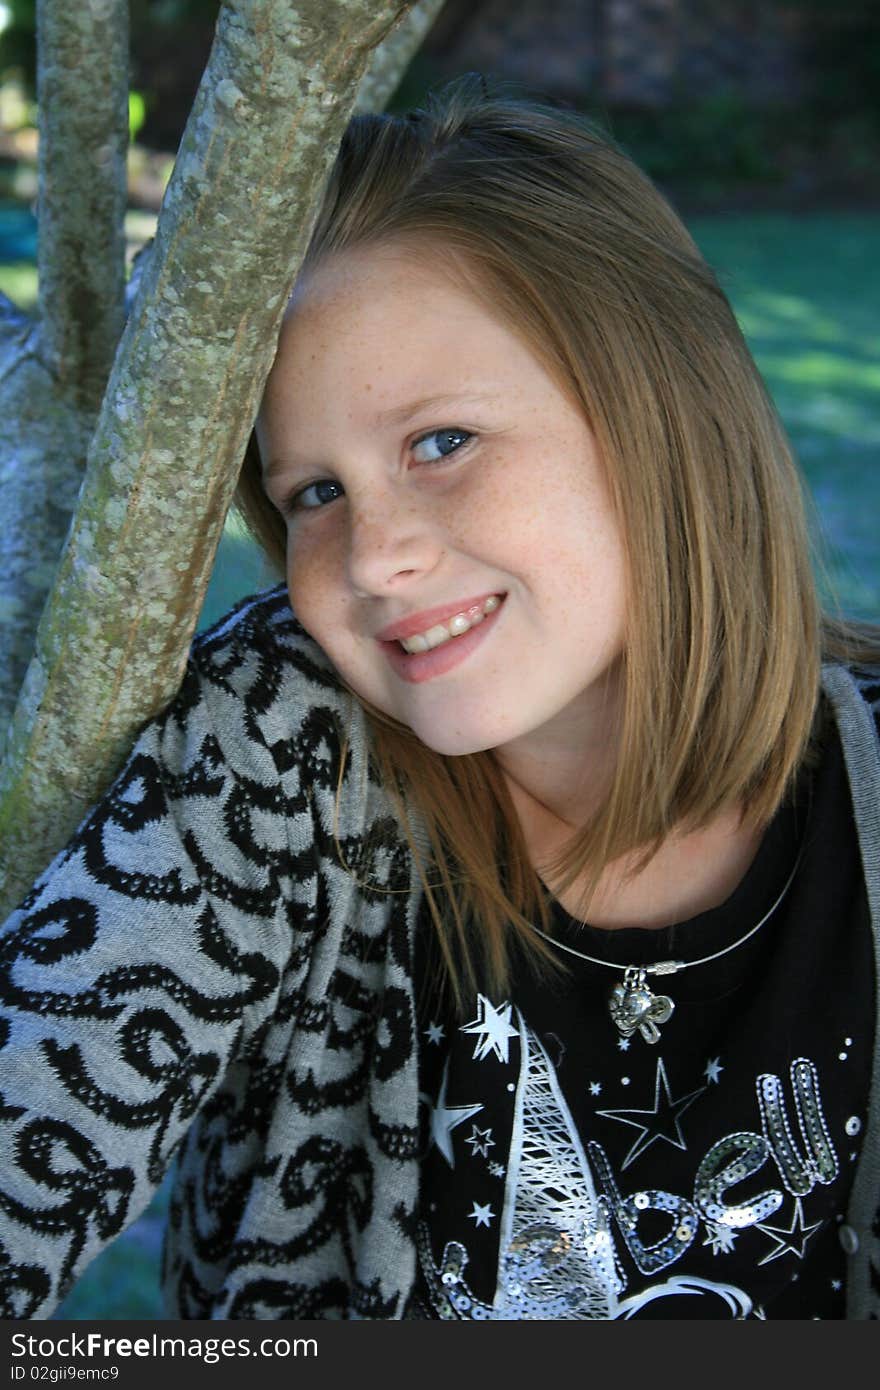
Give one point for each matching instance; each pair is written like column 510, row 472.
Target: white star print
column 595, row 1087
column 623, row 1044
column 434, row 1032
column 481, row 1215
column 494, row 1025
column 480, row 1140
column 789, row 1239
column 665, row 1116
column 836, row 1285
column 720, row 1238
column 497, row 1170
column 713, row 1069
column 444, row 1119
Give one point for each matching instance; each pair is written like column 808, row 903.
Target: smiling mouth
column 456, row 626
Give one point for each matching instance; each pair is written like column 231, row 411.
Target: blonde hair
column 589, row 263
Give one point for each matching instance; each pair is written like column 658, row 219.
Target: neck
column 558, row 780
column 559, row 776
column 692, row 871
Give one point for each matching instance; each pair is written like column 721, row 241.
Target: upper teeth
column 453, row 627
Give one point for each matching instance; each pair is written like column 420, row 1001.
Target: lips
column 454, row 628
column 417, row 667
column 427, row 618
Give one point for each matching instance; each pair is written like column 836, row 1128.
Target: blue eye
column 448, row 441
column 316, row 495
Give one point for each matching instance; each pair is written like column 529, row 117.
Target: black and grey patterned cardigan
column 215, row 968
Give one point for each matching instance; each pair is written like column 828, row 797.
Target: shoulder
column 259, row 684
column 258, row 648
column 867, row 682
column 853, row 691
column 261, row 703
column 854, row 696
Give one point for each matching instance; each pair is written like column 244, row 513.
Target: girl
column 496, row 938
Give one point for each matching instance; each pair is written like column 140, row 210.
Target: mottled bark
column 391, row 59
column 53, row 372
column 42, row 456
column 82, row 94
column 279, row 87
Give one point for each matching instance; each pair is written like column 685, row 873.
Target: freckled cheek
column 313, row 582
column 491, row 510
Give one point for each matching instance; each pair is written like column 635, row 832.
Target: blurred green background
column 762, row 122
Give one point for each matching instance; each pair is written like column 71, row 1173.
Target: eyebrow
column 399, row 414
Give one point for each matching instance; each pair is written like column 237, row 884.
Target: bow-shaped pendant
column 634, row 1005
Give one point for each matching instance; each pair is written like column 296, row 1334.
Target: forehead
column 400, row 291
column 386, row 323
column 415, row 260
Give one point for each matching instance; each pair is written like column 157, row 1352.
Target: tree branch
column 82, row 93
column 391, row 59
column 183, row 394
column 53, row 373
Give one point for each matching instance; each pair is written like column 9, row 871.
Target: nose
column 392, row 540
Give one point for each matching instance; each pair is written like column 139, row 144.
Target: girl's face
column 439, row 487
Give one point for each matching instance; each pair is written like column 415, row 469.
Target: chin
column 459, row 742
column 456, row 747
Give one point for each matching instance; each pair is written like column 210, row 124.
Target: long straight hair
column 587, row 262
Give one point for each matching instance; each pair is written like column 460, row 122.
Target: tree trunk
column 53, row 371
column 278, row 89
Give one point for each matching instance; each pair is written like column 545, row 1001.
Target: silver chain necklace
column 632, row 1004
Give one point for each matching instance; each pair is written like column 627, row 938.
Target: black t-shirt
column 572, row 1172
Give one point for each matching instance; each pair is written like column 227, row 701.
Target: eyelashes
column 315, row 495
column 447, row 435
column 322, row 491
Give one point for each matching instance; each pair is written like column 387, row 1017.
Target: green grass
column 807, row 292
